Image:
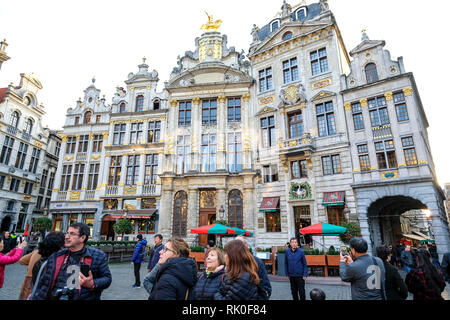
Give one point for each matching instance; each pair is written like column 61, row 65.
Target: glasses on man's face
column 165, row 249
column 72, row 234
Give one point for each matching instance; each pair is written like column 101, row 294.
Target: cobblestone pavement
column 123, row 279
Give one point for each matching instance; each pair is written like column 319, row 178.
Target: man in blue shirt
column 296, row 269
column 154, row 255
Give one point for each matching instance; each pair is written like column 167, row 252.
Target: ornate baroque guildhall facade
column 297, row 134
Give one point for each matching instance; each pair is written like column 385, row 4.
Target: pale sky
column 66, row 43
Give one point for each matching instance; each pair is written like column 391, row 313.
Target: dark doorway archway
column 384, row 218
column 6, row 223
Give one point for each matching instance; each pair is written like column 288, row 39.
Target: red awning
column 269, row 204
column 333, row 199
column 134, row 214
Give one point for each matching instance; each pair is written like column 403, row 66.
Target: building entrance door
column 207, row 210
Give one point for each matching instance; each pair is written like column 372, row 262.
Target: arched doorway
column 6, row 223
column 385, row 217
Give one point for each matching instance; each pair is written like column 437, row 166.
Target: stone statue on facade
column 255, row 33
column 324, row 5
column 285, row 9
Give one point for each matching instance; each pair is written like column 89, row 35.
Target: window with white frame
column 183, row 154
column 93, row 176
column 119, row 134
column 319, row 61
column 268, row 131
column 136, row 133
column 154, row 131
column 209, row 152
column 234, row 152
column 151, row 169
column 331, row 165
column 6, row 150
column 78, row 174
column 21, row 155
column 34, row 162
column 133, row 170
column 385, row 151
column 290, row 70
column 65, row 177
column 270, row 173
column 364, row 160
column 325, row 119
column 409, row 151
column 265, row 80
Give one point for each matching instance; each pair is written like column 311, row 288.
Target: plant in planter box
column 197, row 249
column 123, row 226
column 353, row 230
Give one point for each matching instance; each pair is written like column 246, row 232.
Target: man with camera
column 77, row 272
column 365, row 273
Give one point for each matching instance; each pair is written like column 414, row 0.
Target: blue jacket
column 240, row 289
column 154, row 256
column 99, row 268
column 138, row 250
column 262, row 274
column 208, row 284
column 295, row 263
column 174, row 278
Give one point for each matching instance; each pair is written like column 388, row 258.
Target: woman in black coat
column 178, row 273
column 395, row 287
column 241, row 276
column 212, row 278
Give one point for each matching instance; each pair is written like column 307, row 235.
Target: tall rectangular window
column 2, row 181
column 78, row 174
column 295, row 124
column 209, row 151
column 6, row 150
column 378, row 111
column 184, row 113
column 14, row 186
column 34, row 160
column 83, row 143
column 268, row 131
column 57, row 148
column 70, row 144
column 331, row 165
column 358, row 121
column 386, row 154
column 114, row 170
column 183, row 154
column 93, row 176
column 299, row 169
column 270, row 173
column 290, row 70
column 119, row 134
column 65, row 177
column 234, row 109
column 28, row 188
column 133, row 170
column 136, row 133
column 364, row 161
column 43, row 183
column 51, row 182
column 265, row 80
column 319, row 62
column 151, row 169
column 234, row 152
column 209, row 111
column 409, row 151
column 154, row 131
column 97, row 144
column 400, row 107
column 325, row 119
column 21, row 155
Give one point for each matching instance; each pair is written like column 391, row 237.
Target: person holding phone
column 77, row 272
column 11, row 257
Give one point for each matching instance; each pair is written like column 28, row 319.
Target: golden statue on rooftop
column 211, row 25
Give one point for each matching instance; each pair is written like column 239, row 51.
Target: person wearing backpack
column 138, row 256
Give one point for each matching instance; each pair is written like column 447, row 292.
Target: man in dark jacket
column 445, row 266
column 136, row 260
column 154, row 255
column 262, row 274
column 406, row 258
column 8, row 242
column 296, row 269
column 62, row 277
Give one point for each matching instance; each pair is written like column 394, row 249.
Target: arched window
column 87, row 117
column 156, row 104
column 371, row 73
column 11, row 205
column 235, row 216
column 28, row 126
column 15, row 119
column 180, row 207
column 123, row 107
column 301, row 14
column 140, row 103
column 274, row 26
column 287, row 36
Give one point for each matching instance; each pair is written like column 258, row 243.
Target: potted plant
column 123, row 226
column 333, row 257
column 198, row 253
column 315, row 257
column 281, row 262
column 353, row 230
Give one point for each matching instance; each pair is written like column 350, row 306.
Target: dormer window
column 371, row 73
column 77, row 120
column 140, row 103
column 274, row 26
column 122, row 107
column 29, row 126
column 87, row 117
column 287, row 36
column 15, row 119
column 300, row 14
column 90, row 99
column 156, row 104
column 27, row 101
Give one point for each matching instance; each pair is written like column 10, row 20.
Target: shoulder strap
column 37, row 280
column 187, row 294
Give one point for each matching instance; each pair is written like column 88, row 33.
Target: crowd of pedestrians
column 63, row 267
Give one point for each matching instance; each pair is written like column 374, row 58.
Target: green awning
column 331, row 199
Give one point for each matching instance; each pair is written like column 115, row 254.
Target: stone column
column 248, row 209
column 246, row 136
column 441, row 233
column 193, row 215
column 365, row 230
column 166, row 208
column 221, row 133
column 222, row 201
column 80, row 217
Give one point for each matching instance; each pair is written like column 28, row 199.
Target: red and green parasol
column 323, row 229
column 220, row 229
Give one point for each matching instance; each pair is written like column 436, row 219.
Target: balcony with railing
column 297, row 145
column 81, row 156
column 12, row 130
column 26, row 136
column 89, row 195
column 112, row 190
column 62, row 195
column 150, row 190
column 382, row 132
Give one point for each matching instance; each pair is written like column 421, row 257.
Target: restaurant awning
column 414, row 237
column 269, row 204
column 420, row 234
column 72, row 210
column 333, row 199
column 133, row 214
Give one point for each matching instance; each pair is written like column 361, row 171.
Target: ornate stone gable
column 323, row 95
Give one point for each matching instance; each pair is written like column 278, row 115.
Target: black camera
column 64, row 294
